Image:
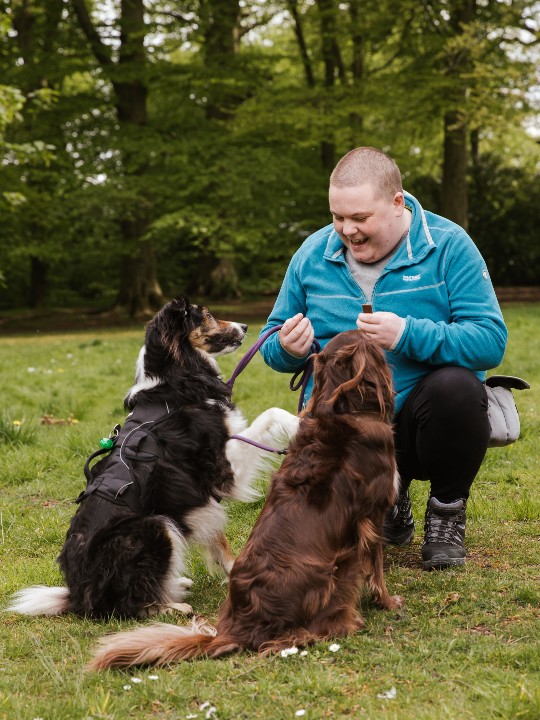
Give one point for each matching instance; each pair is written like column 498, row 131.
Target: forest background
column 156, row 147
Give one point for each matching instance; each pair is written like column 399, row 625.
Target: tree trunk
column 455, row 166
column 139, row 292
column 357, row 70
column 454, row 203
column 139, row 289
column 221, row 32
column 215, row 276
column 332, row 61
column 292, row 6
column 38, row 282
column 138, row 276
column 330, row 47
column 475, row 146
column 35, row 77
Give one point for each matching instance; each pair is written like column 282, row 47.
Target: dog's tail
column 40, row 600
column 161, row 644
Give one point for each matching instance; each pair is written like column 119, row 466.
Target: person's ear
column 399, row 203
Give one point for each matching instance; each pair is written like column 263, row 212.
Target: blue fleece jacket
column 437, row 281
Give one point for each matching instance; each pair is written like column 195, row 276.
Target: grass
column 466, row 645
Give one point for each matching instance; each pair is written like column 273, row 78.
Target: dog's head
column 351, row 375
column 177, row 336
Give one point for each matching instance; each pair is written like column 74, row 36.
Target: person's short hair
column 367, row 165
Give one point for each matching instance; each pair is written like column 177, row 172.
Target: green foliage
column 228, row 167
column 502, row 220
column 11, row 102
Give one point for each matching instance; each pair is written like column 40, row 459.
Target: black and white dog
column 172, row 463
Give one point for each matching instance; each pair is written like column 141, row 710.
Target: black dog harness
column 129, row 444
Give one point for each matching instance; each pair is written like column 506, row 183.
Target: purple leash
column 248, row 357
column 301, row 378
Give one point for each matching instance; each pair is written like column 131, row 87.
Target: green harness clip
column 107, row 443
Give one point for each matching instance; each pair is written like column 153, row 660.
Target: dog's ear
column 329, row 375
column 332, row 372
column 165, row 332
column 180, row 304
column 352, row 378
column 175, row 325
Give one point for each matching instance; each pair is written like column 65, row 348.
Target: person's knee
column 456, row 388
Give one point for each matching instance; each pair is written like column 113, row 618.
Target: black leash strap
column 97, row 453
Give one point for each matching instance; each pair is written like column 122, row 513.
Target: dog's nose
column 244, row 327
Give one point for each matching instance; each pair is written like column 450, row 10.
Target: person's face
column 369, row 227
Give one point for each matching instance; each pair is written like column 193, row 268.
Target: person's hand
column 296, row 335
column 382, row 327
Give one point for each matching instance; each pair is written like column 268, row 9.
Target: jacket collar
column 418, row 244
column 419, row 240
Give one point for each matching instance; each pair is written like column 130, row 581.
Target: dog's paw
column 179, row 588
column 359, row 623
column 220, row 570
column 184, row 583
column 183, row 608
column 291, row 425
column 278, row 422
column 396, row 601
column 227, row 566
column 287, row 420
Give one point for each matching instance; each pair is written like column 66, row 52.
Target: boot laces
column 402, row 512
column 448, row 528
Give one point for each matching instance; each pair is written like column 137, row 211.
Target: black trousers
column 442, row 432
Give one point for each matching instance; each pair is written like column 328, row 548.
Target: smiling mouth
column 357, row 243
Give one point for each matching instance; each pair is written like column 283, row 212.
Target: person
column 434, row 312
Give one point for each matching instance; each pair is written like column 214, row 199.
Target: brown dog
column 298, row 578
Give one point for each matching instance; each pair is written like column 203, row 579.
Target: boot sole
column 439, row 563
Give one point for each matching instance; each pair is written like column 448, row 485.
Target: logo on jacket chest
column 412, row 278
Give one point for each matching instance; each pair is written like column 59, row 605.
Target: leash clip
column 107, row 443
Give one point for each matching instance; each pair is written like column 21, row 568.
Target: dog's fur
column 298, row 578
column 120, row 562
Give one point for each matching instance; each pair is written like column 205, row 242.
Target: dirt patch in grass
column 409, row 557
column 480, row 630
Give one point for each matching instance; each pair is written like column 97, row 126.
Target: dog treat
column 367, row 308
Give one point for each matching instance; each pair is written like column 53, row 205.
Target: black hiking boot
column 444, row 534
column 398, row 526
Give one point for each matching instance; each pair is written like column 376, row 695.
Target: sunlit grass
column 466, row 645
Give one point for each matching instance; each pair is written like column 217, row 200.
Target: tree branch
column 102, row 52
column 400, row 48
column 292, row 6
column 436, row 24
column 264, row 20
column 177, row 15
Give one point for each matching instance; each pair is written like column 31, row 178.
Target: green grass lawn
column 466, row 645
